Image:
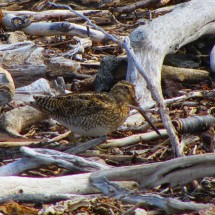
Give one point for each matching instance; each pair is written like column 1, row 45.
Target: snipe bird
column 91, row 113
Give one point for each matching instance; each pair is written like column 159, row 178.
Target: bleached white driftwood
column 179, row 171
column 163, row 35
column 166, row 34
column 56, row 185
column 50, row 14
column 39, row 87
column 79, row 48
column 15, row 120
column 136, row 138
column 175, row 172
column 35, row 158
column 75, row 184
column 55, row 28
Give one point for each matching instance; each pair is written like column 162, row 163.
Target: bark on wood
column 140, row 4
column 184, row 74
column 194, row 124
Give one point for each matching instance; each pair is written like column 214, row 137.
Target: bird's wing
column 86, row 103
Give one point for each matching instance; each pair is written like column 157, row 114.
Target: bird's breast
column 98, row 124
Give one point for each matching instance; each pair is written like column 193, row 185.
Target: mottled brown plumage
column 90, row 114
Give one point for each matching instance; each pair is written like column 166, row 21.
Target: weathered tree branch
column 179, row 171
column 34, row 158
column 54, row 28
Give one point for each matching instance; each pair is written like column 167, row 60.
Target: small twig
column 87, row 145
column 133, row 139
column 61, row 136
column 108, row 36
column 122, row 24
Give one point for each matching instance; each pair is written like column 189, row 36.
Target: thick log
column 56, row 185
column 52, row 28
column 179, row 171
column 176, row 171
column 166, row 34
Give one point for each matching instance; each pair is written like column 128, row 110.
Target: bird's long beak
column 142, row 112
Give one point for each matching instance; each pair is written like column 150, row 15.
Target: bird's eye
column 126, row 87
column 68, row 98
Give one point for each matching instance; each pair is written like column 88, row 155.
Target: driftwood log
column 35, row 158
column 51, row 14
column 166, row 34
column 51, row 28
column 178, row 171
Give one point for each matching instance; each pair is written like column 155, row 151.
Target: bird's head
column 124, row 91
